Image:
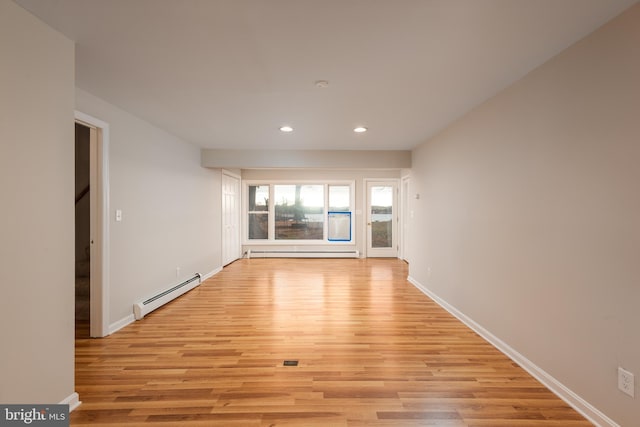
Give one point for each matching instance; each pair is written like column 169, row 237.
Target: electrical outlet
column 626, row 382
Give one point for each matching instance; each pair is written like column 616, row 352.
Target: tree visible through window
column 299, row 212
column 258, row 212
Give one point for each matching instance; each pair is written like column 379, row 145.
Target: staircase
column 83, row 282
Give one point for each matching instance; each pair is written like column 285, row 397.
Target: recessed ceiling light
column 286, row 129
column 360, row 129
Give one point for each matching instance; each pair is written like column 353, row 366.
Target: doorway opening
column 83, row 229
column 91, row 231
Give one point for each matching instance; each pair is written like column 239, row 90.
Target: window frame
column 271, row 240
column 247, row 213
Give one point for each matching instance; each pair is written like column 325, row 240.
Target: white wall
column 37, row 227
column 529, row 210
column 357, row 175
column 170, row 207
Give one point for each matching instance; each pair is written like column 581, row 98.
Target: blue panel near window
column 339, row 226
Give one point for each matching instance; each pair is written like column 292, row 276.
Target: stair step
column 83, row 286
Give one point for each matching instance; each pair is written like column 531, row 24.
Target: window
column 299, row 212
column 258, row 212
column 339, row 198
column 381, row 216
column 295, row 212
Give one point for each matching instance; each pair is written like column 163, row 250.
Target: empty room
column 298, row 213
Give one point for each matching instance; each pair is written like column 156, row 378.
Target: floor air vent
column 145, row 307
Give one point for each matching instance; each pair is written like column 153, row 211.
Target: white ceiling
column 229, row 73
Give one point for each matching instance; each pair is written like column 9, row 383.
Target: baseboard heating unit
column 145, row 307
column 302, row 254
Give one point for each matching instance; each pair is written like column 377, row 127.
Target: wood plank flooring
column 372, row 350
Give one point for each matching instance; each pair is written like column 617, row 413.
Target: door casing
column 99, row 228
column 371, row 252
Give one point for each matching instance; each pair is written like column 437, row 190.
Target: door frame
column 396, row 215
column 238, row 206
column 405, row 182
column 99, row 285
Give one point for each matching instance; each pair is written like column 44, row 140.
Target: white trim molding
column 211, row 273
column 72, row 400
column 572, row 399
column 116, row 326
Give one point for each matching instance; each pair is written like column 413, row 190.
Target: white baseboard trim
column 73, row 401
column 572, row 399
column 116, row 326
column 211, row 273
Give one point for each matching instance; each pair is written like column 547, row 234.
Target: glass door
column 382, row 219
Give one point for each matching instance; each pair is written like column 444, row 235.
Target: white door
column 382, row 219
column 404, row 223
column 230, row 218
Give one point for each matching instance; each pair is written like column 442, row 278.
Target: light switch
column 118, row 215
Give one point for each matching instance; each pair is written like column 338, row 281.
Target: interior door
column 231, row 247
column 382, row 219
column 404, row 223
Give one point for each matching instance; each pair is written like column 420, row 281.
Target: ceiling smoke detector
column 322, row 84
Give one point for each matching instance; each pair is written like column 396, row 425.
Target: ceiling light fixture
column 360, row 129
column 286, row 129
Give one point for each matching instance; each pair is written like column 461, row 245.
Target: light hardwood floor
column 372, row 351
